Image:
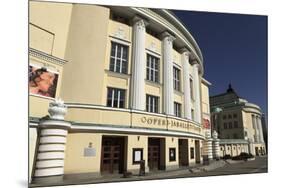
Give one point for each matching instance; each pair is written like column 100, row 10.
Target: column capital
column 194, row 62
column 185, row 50
column 168, row 36
column 139, row 22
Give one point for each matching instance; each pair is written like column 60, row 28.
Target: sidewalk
column 148, row 176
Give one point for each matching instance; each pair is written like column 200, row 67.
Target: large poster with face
column 42, row 81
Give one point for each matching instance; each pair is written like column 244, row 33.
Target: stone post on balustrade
column 52, row 141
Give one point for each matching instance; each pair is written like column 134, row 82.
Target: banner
column 42, row 82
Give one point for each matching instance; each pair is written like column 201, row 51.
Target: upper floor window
column 235, row 124
column 234, row 115
column 118, row 58
column 225, row 125
column 177, row 109
column 230, row 125
column 191, row 88
column 152, row 103
column 192, row 114
column 224, row 116
column 115, row 97
column 229, row 116
column 176, row 78
column 152, row 68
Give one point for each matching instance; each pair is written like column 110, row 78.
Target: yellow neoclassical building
column 238, row 124
column 131, row 81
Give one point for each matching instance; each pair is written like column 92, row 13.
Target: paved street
column 259, row 165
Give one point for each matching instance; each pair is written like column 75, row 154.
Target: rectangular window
column 230, row 125
column 235, row 124
column 225, row 125
column 177, row 109
column 152, row 68
column 191, row 153
column 176, row 78
column 191, row 88
column 118, row 58
column 152, row 103
column 192, row 114
column 224, row 116
column 234, row 115
column 229, row 116
column 115, row 97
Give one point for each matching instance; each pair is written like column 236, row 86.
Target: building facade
column 133, row 89
column 238, row 124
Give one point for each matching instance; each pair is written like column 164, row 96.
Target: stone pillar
column 208, row 144
column 138, row 65
column 260, row 129
column 51, row 151
column 186, row 83
column 167, row 43
column 216, row 145
column 197, row 85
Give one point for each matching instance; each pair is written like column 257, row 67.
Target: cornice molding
column 47, row 57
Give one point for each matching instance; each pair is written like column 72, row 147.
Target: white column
column 208, row 150
column 186, row 84
column 197, row 110
column 216, row 145
column 167, row 43
column 51, row 151
column 260, row 129
column 255, row 128
column 138, row 65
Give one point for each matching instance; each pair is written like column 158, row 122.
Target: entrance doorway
column 197, row 151
column 183, row 152
column 257, row 151
column 113, row 155
column 156, row 154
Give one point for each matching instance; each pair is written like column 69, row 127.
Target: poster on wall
column 42, row 82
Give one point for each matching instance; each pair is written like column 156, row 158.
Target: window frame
column 152, row 68
column 152, row 103
column 176, row 78
column 114, row 58
column 177, row 109
column 112, row 98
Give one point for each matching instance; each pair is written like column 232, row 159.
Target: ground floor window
column 192, row 153
column 115, row 97
column 152, row 104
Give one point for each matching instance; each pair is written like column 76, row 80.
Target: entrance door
column 153, row 157
column 112, row 155
column 153, row 153
column 197, row 151
column 183, row 152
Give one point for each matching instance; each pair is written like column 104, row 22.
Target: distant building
column 238, row 124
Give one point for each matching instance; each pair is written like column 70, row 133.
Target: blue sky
column 234, row 47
